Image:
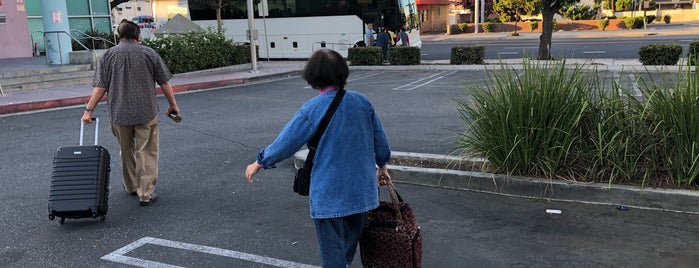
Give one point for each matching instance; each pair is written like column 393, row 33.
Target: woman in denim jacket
column 344, row 179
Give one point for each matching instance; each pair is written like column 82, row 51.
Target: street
column 209, row 216
column 565, row 47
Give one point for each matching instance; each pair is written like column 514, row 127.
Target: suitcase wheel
column 51, row 217
column 62, row 220
column 103, row 218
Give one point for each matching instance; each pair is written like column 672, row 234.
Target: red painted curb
column 47, row 104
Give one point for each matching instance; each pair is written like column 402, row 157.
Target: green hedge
column 467, row 55
column 633, row 22
column 193, row 52
column 693, row 52
column 364, row 56
column 404, row 55
column 660, row 54
column 372, row 55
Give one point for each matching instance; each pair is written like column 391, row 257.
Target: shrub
column 193, row 52
column 671, row 111
column 94, row 40
column 624, row 5
column 534, row 25
column 650, row 19
column 487, row 26
column 523, row 121
column 693, row 53
column 404, row 55
column 667, row 18
column 560, row 122
column 633, row 22
column 603, row 23
column 660, row 54
column 364, row 55
column 467, row 55
column 462, row 27
column 580, row 12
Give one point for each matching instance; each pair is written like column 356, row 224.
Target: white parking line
column 412, row 85
column 119, row 256
column 356, row 78
column 595, row 52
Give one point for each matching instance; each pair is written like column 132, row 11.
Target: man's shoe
column 153, row 198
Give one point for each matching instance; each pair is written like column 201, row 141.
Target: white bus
column 293, row 29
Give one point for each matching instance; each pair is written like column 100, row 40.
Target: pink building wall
column 15, row 41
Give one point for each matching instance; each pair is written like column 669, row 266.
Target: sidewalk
column 646, row 198
column 30, row 100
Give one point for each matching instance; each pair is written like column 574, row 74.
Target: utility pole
column 252, row 36
column 476, row 10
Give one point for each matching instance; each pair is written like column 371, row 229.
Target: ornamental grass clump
column 575, row 124
column 674, row 111
column 524, row 121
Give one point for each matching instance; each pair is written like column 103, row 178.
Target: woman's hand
column 251, row 170
column 382, row 175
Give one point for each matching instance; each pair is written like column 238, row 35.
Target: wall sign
column 56, row 17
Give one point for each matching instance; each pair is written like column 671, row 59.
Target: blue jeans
column 338, row 239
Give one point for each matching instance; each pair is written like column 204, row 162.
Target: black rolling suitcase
column 80, row 181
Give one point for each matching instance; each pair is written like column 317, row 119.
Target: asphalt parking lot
column 208, row 216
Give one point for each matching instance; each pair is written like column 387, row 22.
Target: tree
column 471, row 5
column 512, row 10
column 548, row 9
column 217, row 5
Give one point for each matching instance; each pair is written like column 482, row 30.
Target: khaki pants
column 139, row 157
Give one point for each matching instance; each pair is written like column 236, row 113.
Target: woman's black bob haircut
column 326, row 68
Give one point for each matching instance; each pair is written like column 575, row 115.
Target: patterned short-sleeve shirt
column 129, row 71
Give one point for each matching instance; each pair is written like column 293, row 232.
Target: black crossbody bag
column 302, row 180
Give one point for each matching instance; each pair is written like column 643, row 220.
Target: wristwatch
column 87, row 108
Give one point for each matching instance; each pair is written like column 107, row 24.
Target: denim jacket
column 343, row 179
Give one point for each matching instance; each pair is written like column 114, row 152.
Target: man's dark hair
column 326, row 68
column 128, row 30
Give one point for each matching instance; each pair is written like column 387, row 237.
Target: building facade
column 433, row 14
column 14, row 33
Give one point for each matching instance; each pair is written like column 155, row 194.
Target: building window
column 3, row 19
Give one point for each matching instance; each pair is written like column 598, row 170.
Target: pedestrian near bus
column 369, row 35
column 383, row 41
column 403, row 37
column 127, row 73
column 344, row 179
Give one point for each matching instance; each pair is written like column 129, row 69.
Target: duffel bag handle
column 396, row 199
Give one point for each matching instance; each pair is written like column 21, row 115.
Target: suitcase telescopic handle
column 82, row 129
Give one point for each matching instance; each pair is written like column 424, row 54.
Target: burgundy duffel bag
column 391, row 236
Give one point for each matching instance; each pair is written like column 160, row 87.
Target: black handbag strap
column 313, row 143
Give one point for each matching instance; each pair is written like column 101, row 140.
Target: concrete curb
column 56, row 103
column 683, row 201
column 594, row 193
